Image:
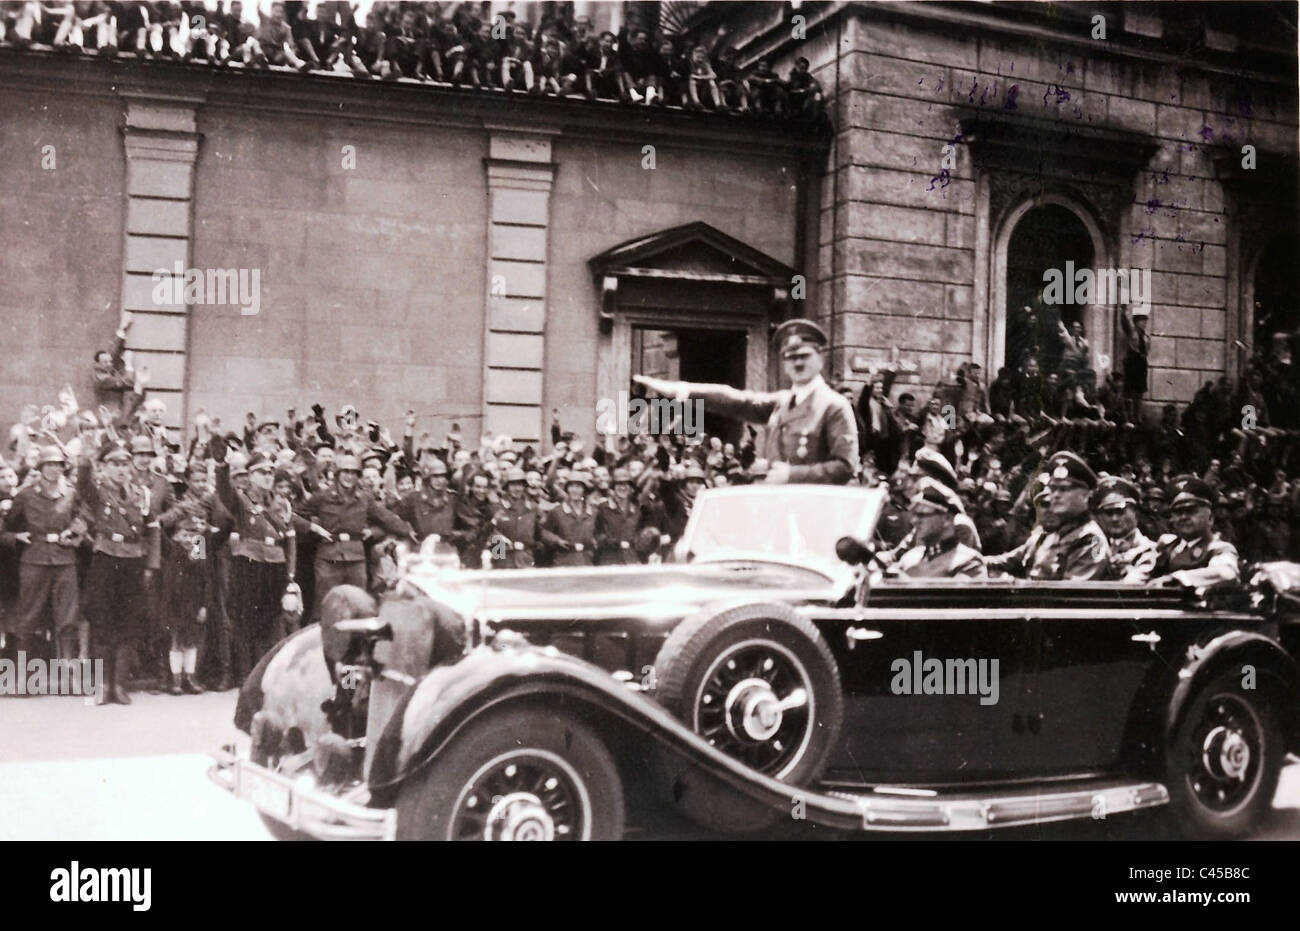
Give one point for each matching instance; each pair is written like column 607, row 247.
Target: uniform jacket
column 818, row 437
column 122, row 519
column 1197, row 562
column 427, row 514
column 347, row 517
column 1133, row 557
column 519, row 523
column 944, row 560
column 264, row 527
column 572, row 534
column 616, row 530
column 1077, row 550
column 472, row 527
column 49, row 519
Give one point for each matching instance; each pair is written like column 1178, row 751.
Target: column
column 520, row 173
column 161, row 149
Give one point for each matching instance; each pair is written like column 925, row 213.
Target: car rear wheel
column 1225, row 760
column 759, row 683
column 516, row 774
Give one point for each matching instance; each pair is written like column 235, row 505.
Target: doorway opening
column 698, row 355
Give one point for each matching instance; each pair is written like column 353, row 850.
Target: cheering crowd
column 448, row 43
column 186, row 561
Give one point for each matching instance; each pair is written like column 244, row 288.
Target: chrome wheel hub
column 519, row 816
column 1224, row 767
column 753, row 711
column 1226, row 754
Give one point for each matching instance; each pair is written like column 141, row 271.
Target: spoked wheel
column 1225, row 762
column 758, row 683
column 755, row 702
column 516, row 773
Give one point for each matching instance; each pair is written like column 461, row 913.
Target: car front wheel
column 1225, row 760
column 516, row 774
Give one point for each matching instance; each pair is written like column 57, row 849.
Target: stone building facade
column 486, row 260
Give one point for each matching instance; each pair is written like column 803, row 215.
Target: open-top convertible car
column 756, row 677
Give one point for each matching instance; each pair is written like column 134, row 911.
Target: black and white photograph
column 660, row 421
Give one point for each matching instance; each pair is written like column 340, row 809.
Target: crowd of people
column 448, row 43
column 192, row 558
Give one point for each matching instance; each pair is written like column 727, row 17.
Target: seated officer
column 1193, row 554
column 1077, row 548
column 1115, row 507
column 931, row 464
column 937, row 553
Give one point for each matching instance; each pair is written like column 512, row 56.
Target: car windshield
column 791, row 523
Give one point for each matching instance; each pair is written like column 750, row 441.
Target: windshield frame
column 872, row 501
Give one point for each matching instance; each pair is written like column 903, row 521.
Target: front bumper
column 297, row 802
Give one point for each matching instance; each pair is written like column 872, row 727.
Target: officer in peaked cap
column 1193, row 554
column 811, row 433
column 930, row 465
column 1115, row 508
column 1075, row 547
column 937, row 552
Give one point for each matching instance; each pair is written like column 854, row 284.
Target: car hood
column 660, row 591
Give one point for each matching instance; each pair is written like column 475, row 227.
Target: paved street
column 71, row 772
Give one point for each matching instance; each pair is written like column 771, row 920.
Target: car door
column 962, row 732
column 1091, row 663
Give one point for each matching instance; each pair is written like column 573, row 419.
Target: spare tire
column 759, row 683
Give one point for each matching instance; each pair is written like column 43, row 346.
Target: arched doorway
column 1044, row 232
column 1047, row 237
column 1277, row 290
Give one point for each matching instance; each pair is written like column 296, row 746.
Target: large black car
column 758, row 678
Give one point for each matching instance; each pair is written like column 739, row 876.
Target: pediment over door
column 691, row 266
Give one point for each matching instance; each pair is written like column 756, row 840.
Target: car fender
column 291, row 681
column 1221, row 652
column 450, row 697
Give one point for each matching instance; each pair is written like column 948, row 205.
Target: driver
column 1193, row 554
column 937, row 553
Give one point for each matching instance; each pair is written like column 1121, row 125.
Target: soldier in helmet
column 812, row 434
column 515, row 524
column 937, row 552
column 144, row 452
column 431, row 508
column 617, row 521
column 1115, row 505
column 341, row 516
column 1193, row 554
column 44, row 518
column 569, row 530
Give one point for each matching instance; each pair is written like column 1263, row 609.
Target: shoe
column 120, row 695
column 225, row 684
column 189, row 687
column 175, row 687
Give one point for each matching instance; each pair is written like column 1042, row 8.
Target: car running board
column 929, row 810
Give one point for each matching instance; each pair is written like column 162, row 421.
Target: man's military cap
column 140, row 445
column 1066, row 466
column 514, row 474
column 114, row 452
column 934, row 497
column 1192, row 490
column 260, row 462
column 621, row 476
column 580, row 477
column 51, row 454
column 347, row 463
column 797, row 334
column 933, row 465
column 437, row 467
column 1114, row 492
column 693, row 471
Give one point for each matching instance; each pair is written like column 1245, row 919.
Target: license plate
column 267, row 795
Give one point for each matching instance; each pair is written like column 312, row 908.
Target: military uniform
column 616, row 533
column 47, row 569
column 428, row 513
column 1077, row 550
column 517, row 522
column 571, row 535
column 125, row 543
column 346, row 516
column 472, row 527
column 945, row 559
column 1132, row 558
column 1204, row 561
